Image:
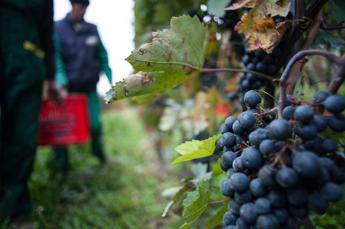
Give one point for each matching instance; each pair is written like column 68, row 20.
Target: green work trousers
column 61, row 153
column 21, row 77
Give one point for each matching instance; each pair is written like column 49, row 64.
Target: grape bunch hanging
column 281, row 169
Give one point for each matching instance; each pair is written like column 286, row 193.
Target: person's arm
column 105, row 61
column 60, row 76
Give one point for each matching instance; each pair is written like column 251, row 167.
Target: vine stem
column 339, row 60
column 299, row 65
column 207, row 70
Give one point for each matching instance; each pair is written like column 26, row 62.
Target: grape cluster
column 258, row 61
column 280, row 169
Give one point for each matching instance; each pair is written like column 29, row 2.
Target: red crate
column 64, row 124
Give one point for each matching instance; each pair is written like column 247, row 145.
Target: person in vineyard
column 26, row 59
column 81, row 57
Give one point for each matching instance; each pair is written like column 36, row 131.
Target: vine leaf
column 217, row 218
column 217, row 7
column 195, row 204
column 165, row 62
column 194, row 149
column 258, row 26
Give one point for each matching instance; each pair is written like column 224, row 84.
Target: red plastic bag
column 64, row 124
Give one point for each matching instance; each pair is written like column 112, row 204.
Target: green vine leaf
column 195, row 204
column 194, row 149
column 217, row 7
column 217, row 218
column 165, row 62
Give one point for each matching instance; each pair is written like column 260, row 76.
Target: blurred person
column 26, row 59
column 81, row 57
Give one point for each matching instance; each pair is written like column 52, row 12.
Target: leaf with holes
column 165, row 62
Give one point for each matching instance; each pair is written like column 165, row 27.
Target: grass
column 125, row 193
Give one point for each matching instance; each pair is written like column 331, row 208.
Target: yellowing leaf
column 265, row 35
column 241, row 3
column 258, row 26
column 196, row 149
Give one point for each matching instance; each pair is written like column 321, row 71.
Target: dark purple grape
column 247, row 120
column 252, row 98
column 267, row 147
column 304, row 113
column 320, row 122
column 279, row 129
column 329, row 146
column 237, row 165
column 320, row 96
column 263, row 206
column 267, row 175
column 229, row 121
column 234, row 207
column 258, row 135
column 237, row 128
column 239, row 182
column 248, row 213
column 257, row 187
column 288, row 112
column 251, row 158
column 229, row 219
column 336, row 122
column 227, row 160
column 306, row 132
column 244, row 197
column 241, row 223
column 267, row 222
column 226, row 188
column 306, row 164
column 335, row 103
column 331, row 192
column 287, row 177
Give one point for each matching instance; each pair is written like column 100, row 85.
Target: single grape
column 267, row 175
column 234, row 207
column 227, row 160
column 320, row 96
column 306, row 132
column 244, row 197
column 331, row 192
column 252, row 98
column 237, row 165
column 237, row 128
column 335, row 103
column 267, row 222
column 267, row 147
column 329, row 146
column 287, row 177
column 304, row 113
column 251, row 158
column 320, row 122
column 336, row 122
column 229, row 219
column 241, row 223
column 226, row 188
column 288, row 112
column 248, row 213
column 247, row 120
column 257, row 187
column 239, row 182
column 279, row 129
column 258, row 135
column 263, row 206
column 306, row 164
column 229, row 121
